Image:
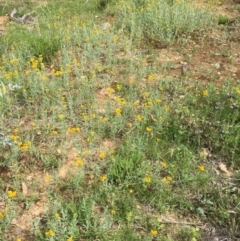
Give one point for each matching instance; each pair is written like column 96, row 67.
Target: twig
column 183, row 223
column 18, row 19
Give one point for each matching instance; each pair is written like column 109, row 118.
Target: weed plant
column 105, row 142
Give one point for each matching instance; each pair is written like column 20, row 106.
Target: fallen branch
column 21, row 20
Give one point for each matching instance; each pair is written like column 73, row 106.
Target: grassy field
column 119, row 120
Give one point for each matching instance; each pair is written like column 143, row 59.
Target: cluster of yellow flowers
column 24, row 146
column 11, row 194
column 167, row 179
column 78, row 162
column 73, row 129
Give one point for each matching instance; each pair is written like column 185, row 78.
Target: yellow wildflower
column 201, row 168
column 103, row 178
column 167, row 179
column 154, row 232
column 152, row 76
column 12, row 194
column 18, row 239
column 73, row 129
column 54, row 132
column 102, row 154
column 130, row 191
column 136, row 103
column 14, row 137
column 119, row 86
column 115, row 38
column 1, row 215
column 79, row 162
column 139, row 118
column 50, row 233
column 118, row 111
column 164, row 164
column 70, row 238
column 4, row 90
column 113, row 211
column 148, row 129
column 48, row 178
column 24, row 146
column 145, row 94
column 205, row 92
column 147, row 179
column 57, row 216
column 166, row 108
column 58, row 73
column 61, row 117
column 110, row 91
column 100, row 68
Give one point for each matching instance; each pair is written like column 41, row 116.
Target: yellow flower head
column 103, row 178
column 118, row 111
column 14, row 137
column 1, row 215
column 149, row 129
column 102, row 155
column 139, row 118
column 4, row 90
column 201, row 168
column 70, row 238
column 48, row 178
column 166, row 108
column 54, row 132
column 12, row 194
column 50, row 233
column 164, row 164
column 110, row 91
column 119, row 86
column 154, row 232
column 115, row 38
column 73, row 129
column 167, row 179
column 61, row 116
column 147, row 179
column 57, row 216
column 79, row 162
column 113, row 211
column 205, row 92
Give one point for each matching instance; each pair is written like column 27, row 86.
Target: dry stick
column 183, row 223
column 18, row 19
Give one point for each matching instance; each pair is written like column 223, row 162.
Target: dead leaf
column 224, row 169
column 24, row 188
column 14, row 221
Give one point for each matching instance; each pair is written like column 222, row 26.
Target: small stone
column 106, row 26
column 217, row 65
